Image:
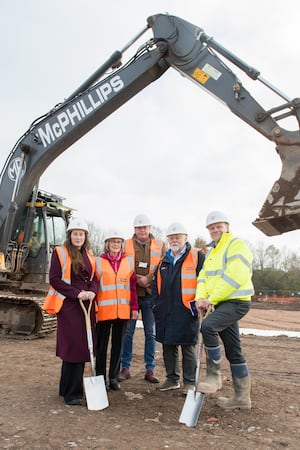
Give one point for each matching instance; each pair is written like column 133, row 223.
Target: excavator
column 32, row 222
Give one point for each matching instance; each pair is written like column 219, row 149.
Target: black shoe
column 74, row 402
column 114, row 385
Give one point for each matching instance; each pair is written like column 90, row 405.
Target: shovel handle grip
column 87, row 312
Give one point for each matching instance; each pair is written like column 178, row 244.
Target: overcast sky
column 173, row 151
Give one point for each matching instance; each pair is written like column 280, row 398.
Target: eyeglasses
column 116, row 241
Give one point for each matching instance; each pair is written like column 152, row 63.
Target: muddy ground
column 33, row 416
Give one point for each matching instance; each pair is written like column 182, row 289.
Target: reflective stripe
column 114, row 295
column 62, row 254
column 188, row 275
column 109, row 287
column 230, row 281
column 117, row 301
column 156, row 253
column 212, row 273
column 131, row 263
column 242, row 293
column 98, row 267
column 242, row 258
column 54, row 292
column 189, row 291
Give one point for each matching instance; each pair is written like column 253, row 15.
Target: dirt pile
column 33, row 416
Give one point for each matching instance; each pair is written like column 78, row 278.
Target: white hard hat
column 141, row 220
column 78, row 224
column 215, row 217
column 113, row 234
column 176, row 228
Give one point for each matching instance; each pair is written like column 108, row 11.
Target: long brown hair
column 75, row 253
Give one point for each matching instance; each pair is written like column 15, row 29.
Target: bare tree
column 157, row 232
column 200, row 243
column 96, row 237
column 259, row 256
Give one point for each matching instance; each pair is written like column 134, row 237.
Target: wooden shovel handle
column 87, row 315
column 87, row 312
column 200, row 344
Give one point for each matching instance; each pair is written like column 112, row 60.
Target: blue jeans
column 145, row 306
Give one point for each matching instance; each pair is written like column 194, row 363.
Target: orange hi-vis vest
column 54, row 300
column 155, row 252
column 113, row 298
column 188, row 277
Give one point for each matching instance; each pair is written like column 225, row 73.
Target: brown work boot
column 241, row 398
column 124, row 374
column 213, row 380
column 149, row 376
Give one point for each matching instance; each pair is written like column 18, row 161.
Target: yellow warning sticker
column 200, row 76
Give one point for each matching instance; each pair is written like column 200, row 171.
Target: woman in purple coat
column 72, row 276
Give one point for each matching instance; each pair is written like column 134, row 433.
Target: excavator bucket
column 281, row 211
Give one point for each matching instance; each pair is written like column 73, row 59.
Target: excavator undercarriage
column 22, row 317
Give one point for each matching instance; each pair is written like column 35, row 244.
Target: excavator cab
column 38, row 229
column 27, row 261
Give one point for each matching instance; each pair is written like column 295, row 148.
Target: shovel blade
column 95, row 392
column 191, row 408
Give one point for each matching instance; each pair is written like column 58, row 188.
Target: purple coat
column 71, row 339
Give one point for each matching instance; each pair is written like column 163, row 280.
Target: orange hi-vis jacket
column 54, row 300
column 113, row 298
column 188, row 277
column 155, row 252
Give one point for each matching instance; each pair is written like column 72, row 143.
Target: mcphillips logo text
column 66, row 119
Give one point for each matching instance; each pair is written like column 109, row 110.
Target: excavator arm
column 186, row 48
column 195, row 55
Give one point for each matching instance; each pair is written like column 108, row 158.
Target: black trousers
column 104, row 328
column 71, row 381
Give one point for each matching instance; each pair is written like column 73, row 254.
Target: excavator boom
column 193, row 53
column 175, row 44
column 188, row 49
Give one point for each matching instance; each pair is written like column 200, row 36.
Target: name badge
column 143, row 265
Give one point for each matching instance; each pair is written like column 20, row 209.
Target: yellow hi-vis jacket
column 54, row 300
column 188, row 277
column 227, row 271
column 156, row 247
column 113, row 298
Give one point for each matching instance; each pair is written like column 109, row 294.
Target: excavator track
column 22, row 317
